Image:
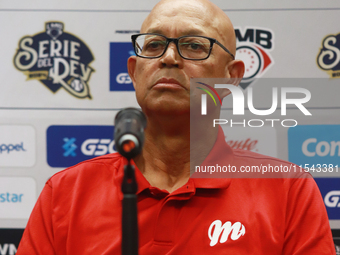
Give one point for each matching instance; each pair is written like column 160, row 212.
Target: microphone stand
column 129, row 135
column 129, row 222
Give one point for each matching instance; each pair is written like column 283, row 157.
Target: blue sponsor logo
column 11, row 147
column 314, row 144
column 69, row 145
column 330, row 191
column 119, row 77
column 10, row 197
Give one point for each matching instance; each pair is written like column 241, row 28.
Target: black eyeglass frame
column 175, row 40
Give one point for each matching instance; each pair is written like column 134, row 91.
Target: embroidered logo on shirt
column 218, row 232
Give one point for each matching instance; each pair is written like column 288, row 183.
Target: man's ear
column 234, row 72
column 235, row 69
column 131, row 65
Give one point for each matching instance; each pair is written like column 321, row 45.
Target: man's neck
column 165, row 159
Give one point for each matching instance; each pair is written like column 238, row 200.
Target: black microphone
column 129, row 132
column 129, row 136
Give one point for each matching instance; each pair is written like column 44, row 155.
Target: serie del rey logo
column 57, row 59
column 328, row 58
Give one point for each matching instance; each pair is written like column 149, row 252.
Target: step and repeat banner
column 64, row 77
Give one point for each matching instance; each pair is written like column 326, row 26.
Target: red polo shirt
column 79, row 212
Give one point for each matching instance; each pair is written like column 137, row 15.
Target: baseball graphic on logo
column 251, row 59
column 77, row 85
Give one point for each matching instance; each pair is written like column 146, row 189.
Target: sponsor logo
column 8, row 248
column 69, row 145
column 57, row 59
column 218, row 232
column 336, row 238
column 314, row 144
column 11, row 197
column 97, row 147
column 253, row 47
column 9, row 240
column 11, row 147
column 262, row 140
column 332, row 198
column 17, row 197
column 329, row 188
column 328, row 58
column 17, row 146
column 247, row 144
column 119, row 77
column 322, row 148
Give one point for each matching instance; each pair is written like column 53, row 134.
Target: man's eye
column 195, row 46
column 154, row 45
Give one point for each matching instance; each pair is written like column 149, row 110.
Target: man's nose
column 171, row 56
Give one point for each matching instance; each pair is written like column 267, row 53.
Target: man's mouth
column 168, row 83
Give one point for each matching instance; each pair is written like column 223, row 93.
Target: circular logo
column 77, row 85
column 251, row 59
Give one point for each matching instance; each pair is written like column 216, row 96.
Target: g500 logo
column 329, row 56
column 57, row 59
column 332, row 198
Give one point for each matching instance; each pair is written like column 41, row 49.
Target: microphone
column 129, row 132
column 129, row 136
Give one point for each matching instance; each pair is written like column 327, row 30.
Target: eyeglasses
column 191, row 47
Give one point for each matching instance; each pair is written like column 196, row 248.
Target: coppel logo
column 314, row 144
column 238, row 99
column 119, row 77
column 330, row 191
column 69, row 145
column 11, row 147
column 17, row 146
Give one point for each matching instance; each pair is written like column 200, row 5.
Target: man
column 79, row 210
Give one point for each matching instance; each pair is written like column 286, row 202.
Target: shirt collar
column 222, row 154
column 142, row 183
column 195, row 181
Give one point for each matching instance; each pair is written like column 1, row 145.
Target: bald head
column 162, row 82
column 210, row 19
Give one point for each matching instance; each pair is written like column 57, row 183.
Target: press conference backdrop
column 64, row 77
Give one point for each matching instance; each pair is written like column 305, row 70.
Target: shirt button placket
column 165, row 224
